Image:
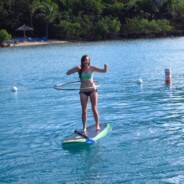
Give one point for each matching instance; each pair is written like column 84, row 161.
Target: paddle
column 88, row 139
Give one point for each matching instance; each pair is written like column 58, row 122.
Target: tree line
column 94, row 19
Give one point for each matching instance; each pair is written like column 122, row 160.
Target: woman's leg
column 84, row 102
column 94, row 102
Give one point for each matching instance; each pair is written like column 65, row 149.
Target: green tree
column 87, row 26
column 70, row 30
column 106, row 27
column 48, row 10
column 4, row 35
column 7, row 14
column 33, row 6
column 114, row 9
column 164, row 26
column 145, row 26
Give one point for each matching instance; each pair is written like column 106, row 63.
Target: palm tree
column 48, row 11
column 33, row 7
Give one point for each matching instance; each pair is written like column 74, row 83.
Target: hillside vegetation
column 94, row 19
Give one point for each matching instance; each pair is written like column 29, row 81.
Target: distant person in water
column 88, row 88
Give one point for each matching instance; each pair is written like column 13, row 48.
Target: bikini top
column 88, row 75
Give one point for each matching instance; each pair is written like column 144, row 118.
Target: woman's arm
column 73, row 70
column 104, row 70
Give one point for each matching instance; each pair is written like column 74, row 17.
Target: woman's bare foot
column 98, row 128
column 84, row 130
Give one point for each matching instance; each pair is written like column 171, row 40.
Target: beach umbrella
column 25, row 28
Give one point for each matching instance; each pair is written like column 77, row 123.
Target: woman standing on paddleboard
column 88, row 88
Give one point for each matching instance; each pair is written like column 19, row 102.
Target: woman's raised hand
column 105, row 67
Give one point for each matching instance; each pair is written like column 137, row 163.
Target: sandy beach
column 34, row 43
column 12, row 43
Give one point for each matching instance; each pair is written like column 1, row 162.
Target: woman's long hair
column 82, row 64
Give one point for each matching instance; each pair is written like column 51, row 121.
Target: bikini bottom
column 88, row 93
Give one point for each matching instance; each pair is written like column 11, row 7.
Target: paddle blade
column 90, row 141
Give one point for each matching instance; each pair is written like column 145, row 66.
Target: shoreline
column 36, row 43
column 33, row 43
column 12, row 43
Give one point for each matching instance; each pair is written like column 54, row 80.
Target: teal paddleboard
column 91, row 136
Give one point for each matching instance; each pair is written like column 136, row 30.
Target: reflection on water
column 146, row 141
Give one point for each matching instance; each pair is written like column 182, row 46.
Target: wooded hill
column 93, row 19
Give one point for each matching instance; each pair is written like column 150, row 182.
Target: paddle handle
column 80, row 133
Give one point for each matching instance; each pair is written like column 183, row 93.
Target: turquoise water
column 146, row 144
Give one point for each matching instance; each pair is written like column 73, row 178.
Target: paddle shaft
column 80, row 133
column 88, row 139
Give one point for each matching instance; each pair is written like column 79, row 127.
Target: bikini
column 84, row 76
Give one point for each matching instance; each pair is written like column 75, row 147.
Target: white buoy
column 140, row 81
column 14, row 89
